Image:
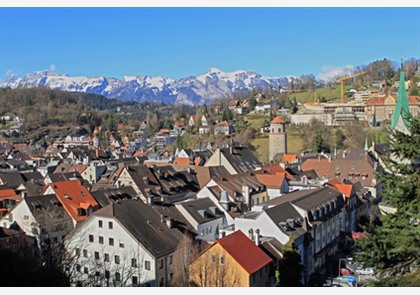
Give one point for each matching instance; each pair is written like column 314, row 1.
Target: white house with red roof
column 76, row 198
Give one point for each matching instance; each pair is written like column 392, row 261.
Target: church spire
column 399, row 117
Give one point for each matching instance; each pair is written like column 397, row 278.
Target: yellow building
column 232, row 261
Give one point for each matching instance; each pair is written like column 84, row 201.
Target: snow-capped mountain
column 191, row 90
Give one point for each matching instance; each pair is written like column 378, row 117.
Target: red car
column 346, row 271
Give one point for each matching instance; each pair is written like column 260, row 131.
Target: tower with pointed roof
column 399, row 120
column 277, row 138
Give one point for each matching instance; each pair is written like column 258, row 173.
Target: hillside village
column 153, row 209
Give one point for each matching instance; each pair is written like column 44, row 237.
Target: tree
column 227, row 115
column 168, row 123
column 289, row 268
column 392, row 245
column 213, row 269
column 187, row 251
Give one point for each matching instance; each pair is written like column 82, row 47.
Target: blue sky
column 176, row 42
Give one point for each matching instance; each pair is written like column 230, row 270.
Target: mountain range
column 191, row 90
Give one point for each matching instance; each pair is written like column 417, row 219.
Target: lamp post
column 339, row 265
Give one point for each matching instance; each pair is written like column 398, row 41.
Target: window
column 100, row 223
column 213, row 259
column 171, row 276
column 147, row 265
column 77, row 251
column 117, row 259
column 111, row 241
column 110, row 225
column 97, row 273
column 91, row 238
column 25, row 217
column 222, row 260
column 134, row 280
column 85, row 270
column 161, row 282
column 121, row 244
column 106, row 257
column 101, row 240
column 85, row 253
column 117, row 276
column 134, row 262
column 96, row 255
column 160, row 263
column 78, row 267
column 107, row 274
column 170, row 259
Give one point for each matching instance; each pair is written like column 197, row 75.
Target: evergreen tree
column 289, row 268
column 392, row 245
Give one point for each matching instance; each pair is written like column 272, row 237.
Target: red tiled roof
column 341, row 187
column 413, row 100
column 276, row 170
column 376, row 101
column 345, row 189
column 321, row 166
column 277, row 120
column 73, row 195
column 182, row 161
column 248, row 255
column 197, row 161
column 288, row 158
column 7, row 193
column 272, row 181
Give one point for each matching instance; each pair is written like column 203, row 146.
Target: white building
column 126, row 243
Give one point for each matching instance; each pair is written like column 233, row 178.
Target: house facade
column 110, row 249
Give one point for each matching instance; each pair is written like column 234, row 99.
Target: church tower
column 399, row 120
column 277, row 138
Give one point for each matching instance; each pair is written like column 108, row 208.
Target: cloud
column 52, row 67
column 331, row 73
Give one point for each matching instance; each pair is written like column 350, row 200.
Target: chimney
column 246, row 194
column 251, row 234
column 257, row 237
column 169, row 222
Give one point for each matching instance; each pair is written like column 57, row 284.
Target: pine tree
column 289, row 268
column 392, row 245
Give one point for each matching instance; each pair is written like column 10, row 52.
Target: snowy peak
column 190, row 90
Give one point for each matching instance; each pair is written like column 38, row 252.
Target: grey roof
column 12, row 179
column 307, row 199
column 34, row 188
column 202, row 210
column 242, row 159
column 145, row 225
column 27, row 176
column 107, row 196
column 48, row 211
column 382, row 149
column 284, row 212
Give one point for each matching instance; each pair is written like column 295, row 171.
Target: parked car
column 346, row 279
column 346, row 271
column 364, row 271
